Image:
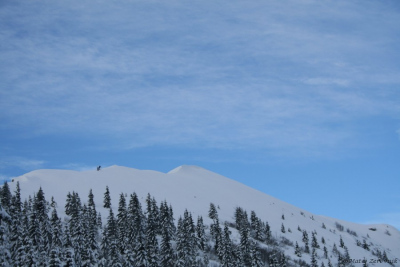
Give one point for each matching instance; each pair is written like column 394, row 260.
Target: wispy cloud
column 255, row 75
column 20, row 162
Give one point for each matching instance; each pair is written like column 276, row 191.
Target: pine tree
column 166, row 252
column 107, row 199
column 109, row 242
column 54, row 258
column 5, row 196
column 297, row 250
column 212, row 213
column 122, row 224
column 136, row 219
column 283, row 228
column 314, row 262
column 5, row 255
column 226, row 248
column 305, row 240
column 314, row 242
column 335, row 250
column 92, row 230
column 325, row 252
column 267, row 232
column 186, row 241
column 238, row 217
column 245, row 250
column 201, row 235
column 365, row 245
column 341, row 243
column 283, row 260
column 256, row 260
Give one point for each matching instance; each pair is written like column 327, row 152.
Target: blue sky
column 299, row 99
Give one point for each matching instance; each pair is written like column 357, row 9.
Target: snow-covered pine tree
column 305, row 240
column 297, row 250
column 151, row 246
column 92, row 230
column 314, row 241
column 5, row 196
column 341, row 243
column 122, row 224
column 314, row 261
column 107, row 199
column 238, row 217
column 365, row 245
column 136, row 219
column 226, row 248
column 335, row 250
column 267, row 232
column 5, row 254
column 283, row 261
column 16, row 237
column 212, row 213
column 256, row 260
column 186, row 241
column 245, row 248
column 54, row 260
column 167, row 233
column 200, row 232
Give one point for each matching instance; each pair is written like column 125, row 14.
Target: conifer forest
column 141, row 234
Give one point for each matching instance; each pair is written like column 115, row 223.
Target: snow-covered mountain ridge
column 194, row 188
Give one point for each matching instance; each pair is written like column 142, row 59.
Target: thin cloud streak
column 20, row 162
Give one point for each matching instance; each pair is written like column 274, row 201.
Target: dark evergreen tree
column 335, row 250
column 245, row 249
column 109, row 245
column 122, row 224
column 314, row 242
column 314, row 262
column 92, row 230
column 186, row 241
column 325, row 252
column 56, row 231
column 107, row 199
column 239, row 214
column 365, row 245
column 341, row 243
column 297, row 250
column 54, row 260
column 212, row 213
column 166, row 252
column 5, row 254
column 5, row 196
column 305, row 240
column 283, row 262
column 226, row 248
column 201, row 235
column 283, row 228
column 267, row 232
column 256, row 260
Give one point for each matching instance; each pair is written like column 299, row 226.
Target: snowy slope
column 193, row 188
